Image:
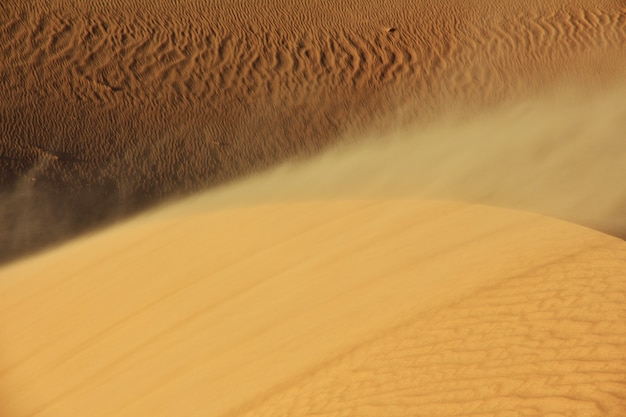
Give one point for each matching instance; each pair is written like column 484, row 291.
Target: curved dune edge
column 344, row 308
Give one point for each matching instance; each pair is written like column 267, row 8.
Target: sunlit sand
column 399, row 209
column 307, row 308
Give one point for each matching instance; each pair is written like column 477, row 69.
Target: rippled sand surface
column 399, row 209
column 109, row 107
column 332, row 308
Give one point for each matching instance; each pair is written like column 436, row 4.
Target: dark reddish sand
column 108, row 107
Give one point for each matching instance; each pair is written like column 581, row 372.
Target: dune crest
column 370, row 306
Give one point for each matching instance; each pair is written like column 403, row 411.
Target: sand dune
column 108, row 107
column 344, row 308
column 377, row 279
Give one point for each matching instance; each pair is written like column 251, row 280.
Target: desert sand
column 111, row 106
column 328, row 308
column 408, row 208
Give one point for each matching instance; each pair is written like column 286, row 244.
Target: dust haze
column 563, row 155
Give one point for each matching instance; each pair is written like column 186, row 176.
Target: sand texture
column 110, row 106
column 400, row 208
column 362, row 308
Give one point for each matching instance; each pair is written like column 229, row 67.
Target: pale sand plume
column 562, row 155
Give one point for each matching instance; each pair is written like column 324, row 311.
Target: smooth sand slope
column 109, row 106
column 359, row 308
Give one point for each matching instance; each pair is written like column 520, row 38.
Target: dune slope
column 110, row 106
column 392, row 308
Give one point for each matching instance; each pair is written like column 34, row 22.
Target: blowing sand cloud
column 563, row 155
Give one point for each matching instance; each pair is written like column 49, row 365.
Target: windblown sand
column 110, row 106
column 435, row 257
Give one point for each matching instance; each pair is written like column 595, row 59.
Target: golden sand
column 358, row 307
column 428, row 264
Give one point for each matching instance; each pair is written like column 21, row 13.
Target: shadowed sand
column 362, row 308
column 110, row 106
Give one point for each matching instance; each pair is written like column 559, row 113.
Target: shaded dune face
column 110, row 107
